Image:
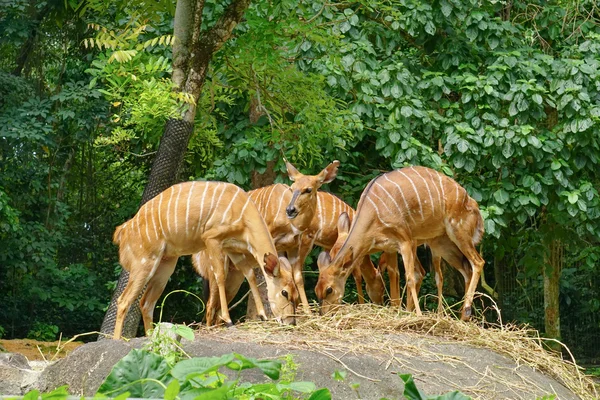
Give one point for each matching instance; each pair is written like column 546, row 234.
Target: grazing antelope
column 216, row 217
column 323, row 231
column 402, row 208
column 441, row 248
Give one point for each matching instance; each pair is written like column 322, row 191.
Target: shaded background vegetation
column 502, row 96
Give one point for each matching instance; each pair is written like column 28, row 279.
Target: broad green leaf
column 302, row 387
column 172, row 390
column 537, row 99
column 555, row 165
column 184, row 331
column 501, row 196
column 411, row 392
column 394, row 137
column 60, row 393
column 321, row 394
column 135, row 373
column 573, row 197
column 271, row 368
column 199, row 365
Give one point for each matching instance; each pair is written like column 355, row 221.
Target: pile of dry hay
column 351, row 329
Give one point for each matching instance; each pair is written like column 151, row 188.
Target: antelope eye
column 329, row 291
column 307, row 190
column 284, row 293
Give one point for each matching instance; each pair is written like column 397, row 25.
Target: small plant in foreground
column 147, row 375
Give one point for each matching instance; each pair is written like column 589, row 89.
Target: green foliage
column 411, row 392
column 43, row 332
column 135, row 77
column 143, row 374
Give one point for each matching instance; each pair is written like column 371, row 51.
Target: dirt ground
column 36, row 350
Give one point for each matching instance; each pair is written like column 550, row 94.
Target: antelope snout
column 291, row 212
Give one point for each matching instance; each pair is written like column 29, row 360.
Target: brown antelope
column 401, row 208
column 441, row 248
column 216, row 217
column 323, row 231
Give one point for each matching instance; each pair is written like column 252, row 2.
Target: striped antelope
column 189, row 217
column 323, row 231
column 441, row 248
column 399, row 209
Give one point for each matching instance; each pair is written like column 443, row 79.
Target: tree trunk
column 192, row 52
column 552, row 268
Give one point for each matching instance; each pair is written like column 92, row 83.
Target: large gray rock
column 437, row 366
column 16, row 375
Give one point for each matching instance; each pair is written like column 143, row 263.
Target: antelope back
column 420, row 200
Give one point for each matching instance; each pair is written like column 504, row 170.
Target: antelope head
column 304, row 192
column 281, row 289
column 332, row 278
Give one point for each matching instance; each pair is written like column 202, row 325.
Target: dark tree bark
column 26, row 49
column 552, row 268
column 192, row 52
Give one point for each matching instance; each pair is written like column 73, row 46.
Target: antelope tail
column 118, row 233
column 478, row 234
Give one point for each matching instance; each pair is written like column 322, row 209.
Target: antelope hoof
column 263, row 317
column 229, row 324
column 466, row 314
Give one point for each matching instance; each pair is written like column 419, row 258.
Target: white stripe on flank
column 408, row 210
column 230, row 204
column 416, row 192
column 400, row 212
column 428, row 190
column 260, row 204
column 269, row 198
column 377, row 212
column 187, row 209
column 201, row 214
column 169, row 211
column 248, row 200
column 211, row 212
column 280, row 204
column 319, row 210
column 442, row 188
column 456, row 192
column 435, row 187
column 162, row 231
column 334, row 217
column 153, row 220
column 177, row 209
column 139, row 227
column 146, row 220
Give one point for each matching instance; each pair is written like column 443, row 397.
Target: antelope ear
column 324, row 260
column 271, row 265
column 291, row 170
column 284, row 263
column 329, row 173
column 343, row 224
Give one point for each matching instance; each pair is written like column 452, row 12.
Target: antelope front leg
column 394, row 275
column 408, row 251
column 296, row 258
column 357, row 275
column 217, row 259
column 439, row 282
column 251, row 278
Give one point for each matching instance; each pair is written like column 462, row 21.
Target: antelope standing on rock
column 402, row 208
column 216, row 217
